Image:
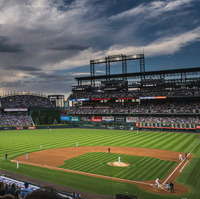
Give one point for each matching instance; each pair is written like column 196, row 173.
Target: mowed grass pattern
column 141, row 168
column 16, row 143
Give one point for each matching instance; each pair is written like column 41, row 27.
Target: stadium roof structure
column 8, row 94
column 183, row 73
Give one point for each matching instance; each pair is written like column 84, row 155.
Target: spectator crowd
column 25, row 101
column 145, row 107
column 15, row 120
column 135, row 94
column 14, row 189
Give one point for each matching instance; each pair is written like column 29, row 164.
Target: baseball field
column 149, row 155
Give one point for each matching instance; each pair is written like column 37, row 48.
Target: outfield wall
column 127, row 123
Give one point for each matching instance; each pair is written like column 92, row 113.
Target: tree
column 55, row 121
column 37, row 121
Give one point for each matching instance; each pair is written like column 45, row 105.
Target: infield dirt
column 52, row 158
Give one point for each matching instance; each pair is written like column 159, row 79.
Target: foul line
column 85, row 173
column 180, row 164
column 194, row 148
column 184, row 166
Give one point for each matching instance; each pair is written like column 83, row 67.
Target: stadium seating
column 15, row 120
column 25, row 101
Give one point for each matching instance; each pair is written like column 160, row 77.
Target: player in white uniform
column 157, row 183
column 119, row 159
column 180, row 157
column 17, row 164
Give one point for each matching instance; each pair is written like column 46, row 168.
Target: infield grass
column 141, row 168
column 16, row 143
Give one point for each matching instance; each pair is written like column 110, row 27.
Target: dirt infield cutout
column 117, row 164
column 52, row 158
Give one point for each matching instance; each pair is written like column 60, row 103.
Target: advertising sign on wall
column 85, row 119
column 131, row 119
column 108, row 119
column 119, row 119
column 15, row 109
column 20, row 128
column 197, row 126
column 65, row 118
column 96, row 119
column 31, row 127
column 75, row 119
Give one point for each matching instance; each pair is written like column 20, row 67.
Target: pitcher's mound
column 117, row 164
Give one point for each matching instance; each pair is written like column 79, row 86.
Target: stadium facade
column 156, row 100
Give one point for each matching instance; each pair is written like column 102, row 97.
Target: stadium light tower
column 116, row 58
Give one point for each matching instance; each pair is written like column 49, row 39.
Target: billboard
column 87, row 99
column 65, row 118
column 156, row 97
column 119, row 119
column 108, row 119
column 96, row 119
column 31, row 127
column 131, row 119
column 19, row 128
column 15, row 109
column 100, row 99
column 86, row 119
column 198, row 126
column 75, row 119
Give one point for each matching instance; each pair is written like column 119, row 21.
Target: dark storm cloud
column 43, row 77
column 58, row 37
column 22, row 68
column 12, row 84
column 70, row 47
column 39, row 78
column 6, row 47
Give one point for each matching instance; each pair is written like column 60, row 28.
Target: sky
column 45, row 44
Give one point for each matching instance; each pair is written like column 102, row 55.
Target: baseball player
column 40, row 147
column 180, row 157
column 77, row 144
column 186, row 156
column 17, row 164
column 27, row 156
column 119, row 159
column 157, row 183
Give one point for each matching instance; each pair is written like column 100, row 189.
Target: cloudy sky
column 44, row 44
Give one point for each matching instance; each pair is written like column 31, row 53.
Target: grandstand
column 17, row 108
column 167, row 99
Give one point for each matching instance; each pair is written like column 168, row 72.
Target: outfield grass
column 16, row 143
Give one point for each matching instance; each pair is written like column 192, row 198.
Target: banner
column 20, row 128
column 119, row 119
column 15, row 109
column 85, row 119
column 96, row 99
column 31, row 127
column 108, row 119
column 75, row 119
column 96, row 119
column 131, row 119
column 65, row 118
column 197, row 126
column 87, row 99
